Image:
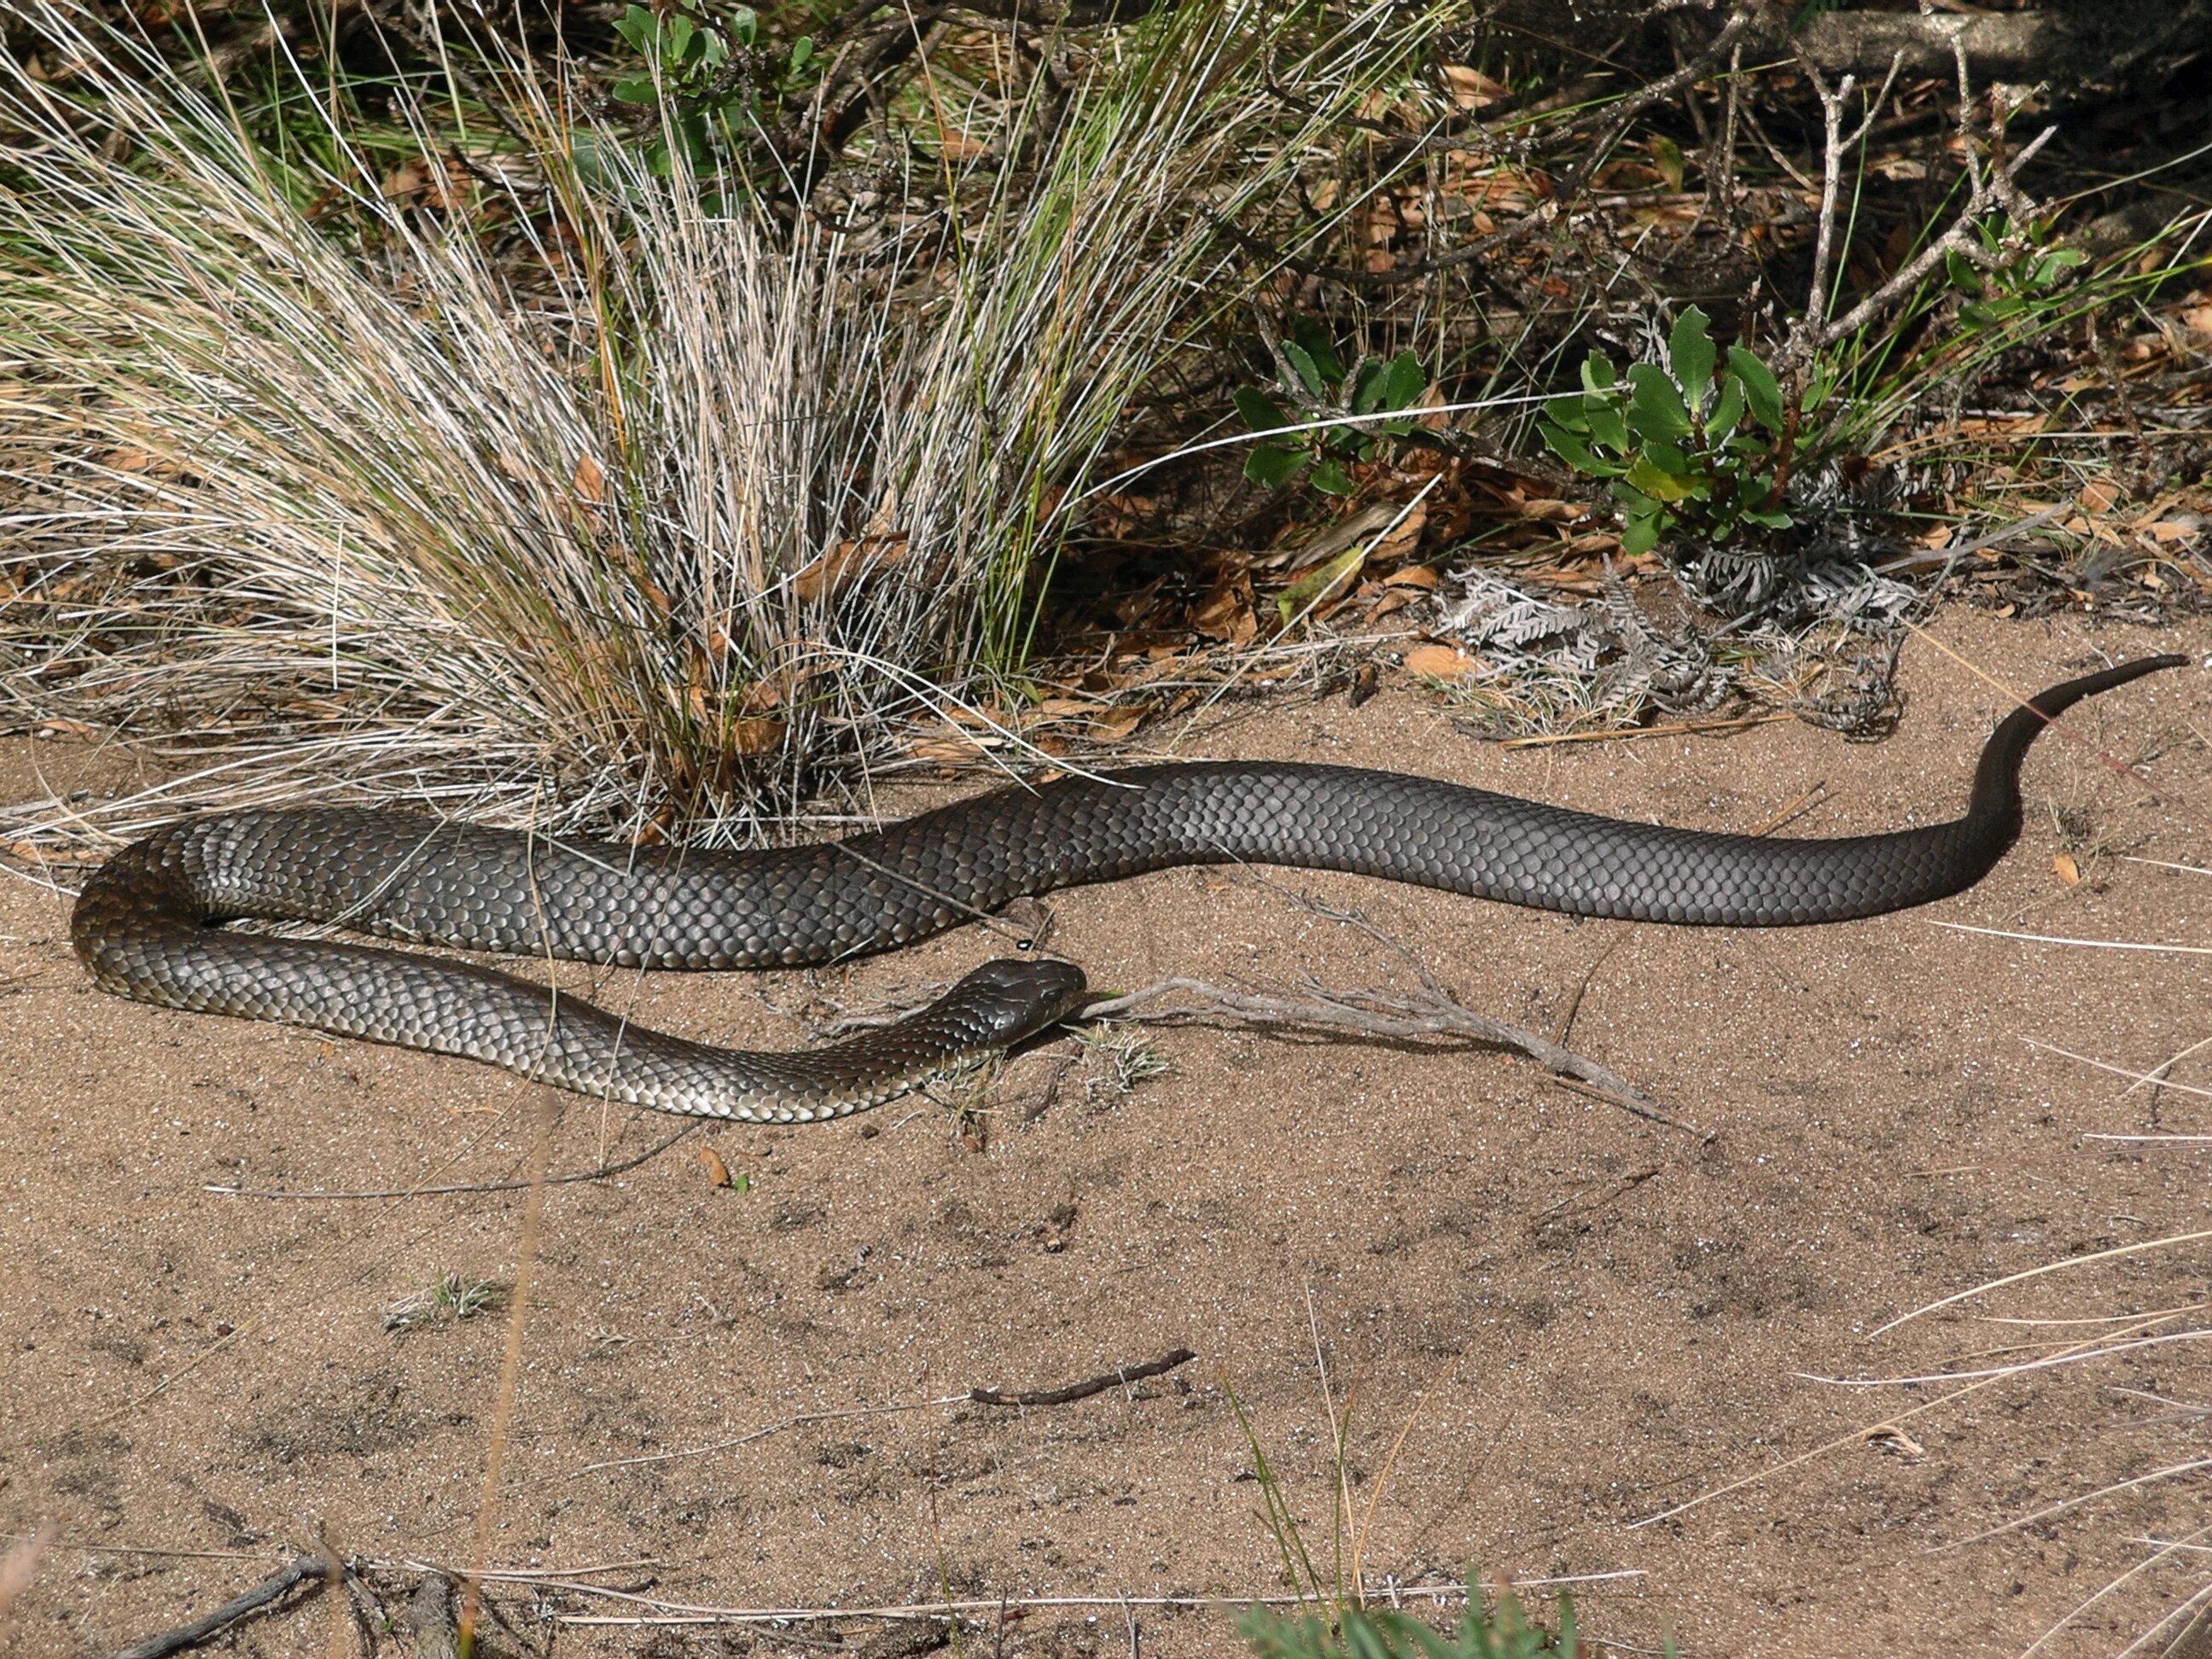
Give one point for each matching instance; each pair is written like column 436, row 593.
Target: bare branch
column 1384, row 1016
column 304, row 1569
column 1090, row 1385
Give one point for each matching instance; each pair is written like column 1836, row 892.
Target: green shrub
column 1699, row 448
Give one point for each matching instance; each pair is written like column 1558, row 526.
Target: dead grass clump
column 305, row 482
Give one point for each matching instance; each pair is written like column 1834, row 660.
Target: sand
column 1588, row 1319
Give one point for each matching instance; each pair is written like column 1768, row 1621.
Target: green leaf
column 1304, row 366
column 1330, row 476
column 802, row 52
column 1690, row 350
column 1571, row 450
column 1272, row 465
column 1597, row 373
column 1639, row 535
column 638, row 26
column 682, row 32
column 1259, row 411
column 1630, row 497
column 745, row 23
column 1727, row 412
column 1667, row 156
column 1760, row 388
column 1369, row 382
column 1773, row 518
column 1668, row 458
column 1656, row 483
column 2053, row 265
column 1601, row 415
column 1655, row 409
column 1312, row 335
column 1568, row 412
column 1407, row 382
column 1964, row 277
column 634, row 89
column 741, row 1183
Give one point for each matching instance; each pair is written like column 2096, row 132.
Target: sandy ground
column 1605, row 1317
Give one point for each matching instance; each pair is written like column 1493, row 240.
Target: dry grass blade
column 369, row 512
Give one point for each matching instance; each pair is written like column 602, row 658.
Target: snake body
column 148, row 923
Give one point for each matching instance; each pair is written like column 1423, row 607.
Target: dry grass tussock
column 581, row 495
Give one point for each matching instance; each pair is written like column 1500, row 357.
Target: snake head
column 1013, row 997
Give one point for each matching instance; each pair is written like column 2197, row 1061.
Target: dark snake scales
column 149, row 924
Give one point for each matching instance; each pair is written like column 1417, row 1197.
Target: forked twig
column 1387, row 1016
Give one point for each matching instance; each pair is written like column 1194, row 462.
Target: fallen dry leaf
column 1414, row 575
column 1402, row 538
column 1226, row 612
column 756, row 737
column 945, row 746
column 589, row 480
column 1113, row 725
column 717, row 1173
column 2066, row 870
column 2098, row 495
column 1470, row 87
column 828, row 575
column 1440, row 662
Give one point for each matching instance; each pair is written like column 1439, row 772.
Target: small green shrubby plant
column 1387, row 1634
column 1317, row 381
column 1701, row 445
column 1998, row 294
column 702, row 66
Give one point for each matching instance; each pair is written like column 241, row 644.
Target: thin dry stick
column 2157, row 1077
column 510, row 1369
column 1066, row 1395
column 1383, row 1480
column 601, row 1174
column 680, row 1612
column 1633, row 734
column 1855, row 1438
column 1072, row 1392
column 1386, row 1015
column 306, row 1568
column 2115, row 1253
column 2080, row 943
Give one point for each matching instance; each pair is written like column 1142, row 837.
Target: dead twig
column 306, row 1568
column 1090, row 1385
column 1385, row 1016
column 601, row 1174
column 974, row 1396
column 1993, row 185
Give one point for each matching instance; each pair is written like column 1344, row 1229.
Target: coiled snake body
column 148, row 924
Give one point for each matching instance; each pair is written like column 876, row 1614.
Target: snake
column 150, row 924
